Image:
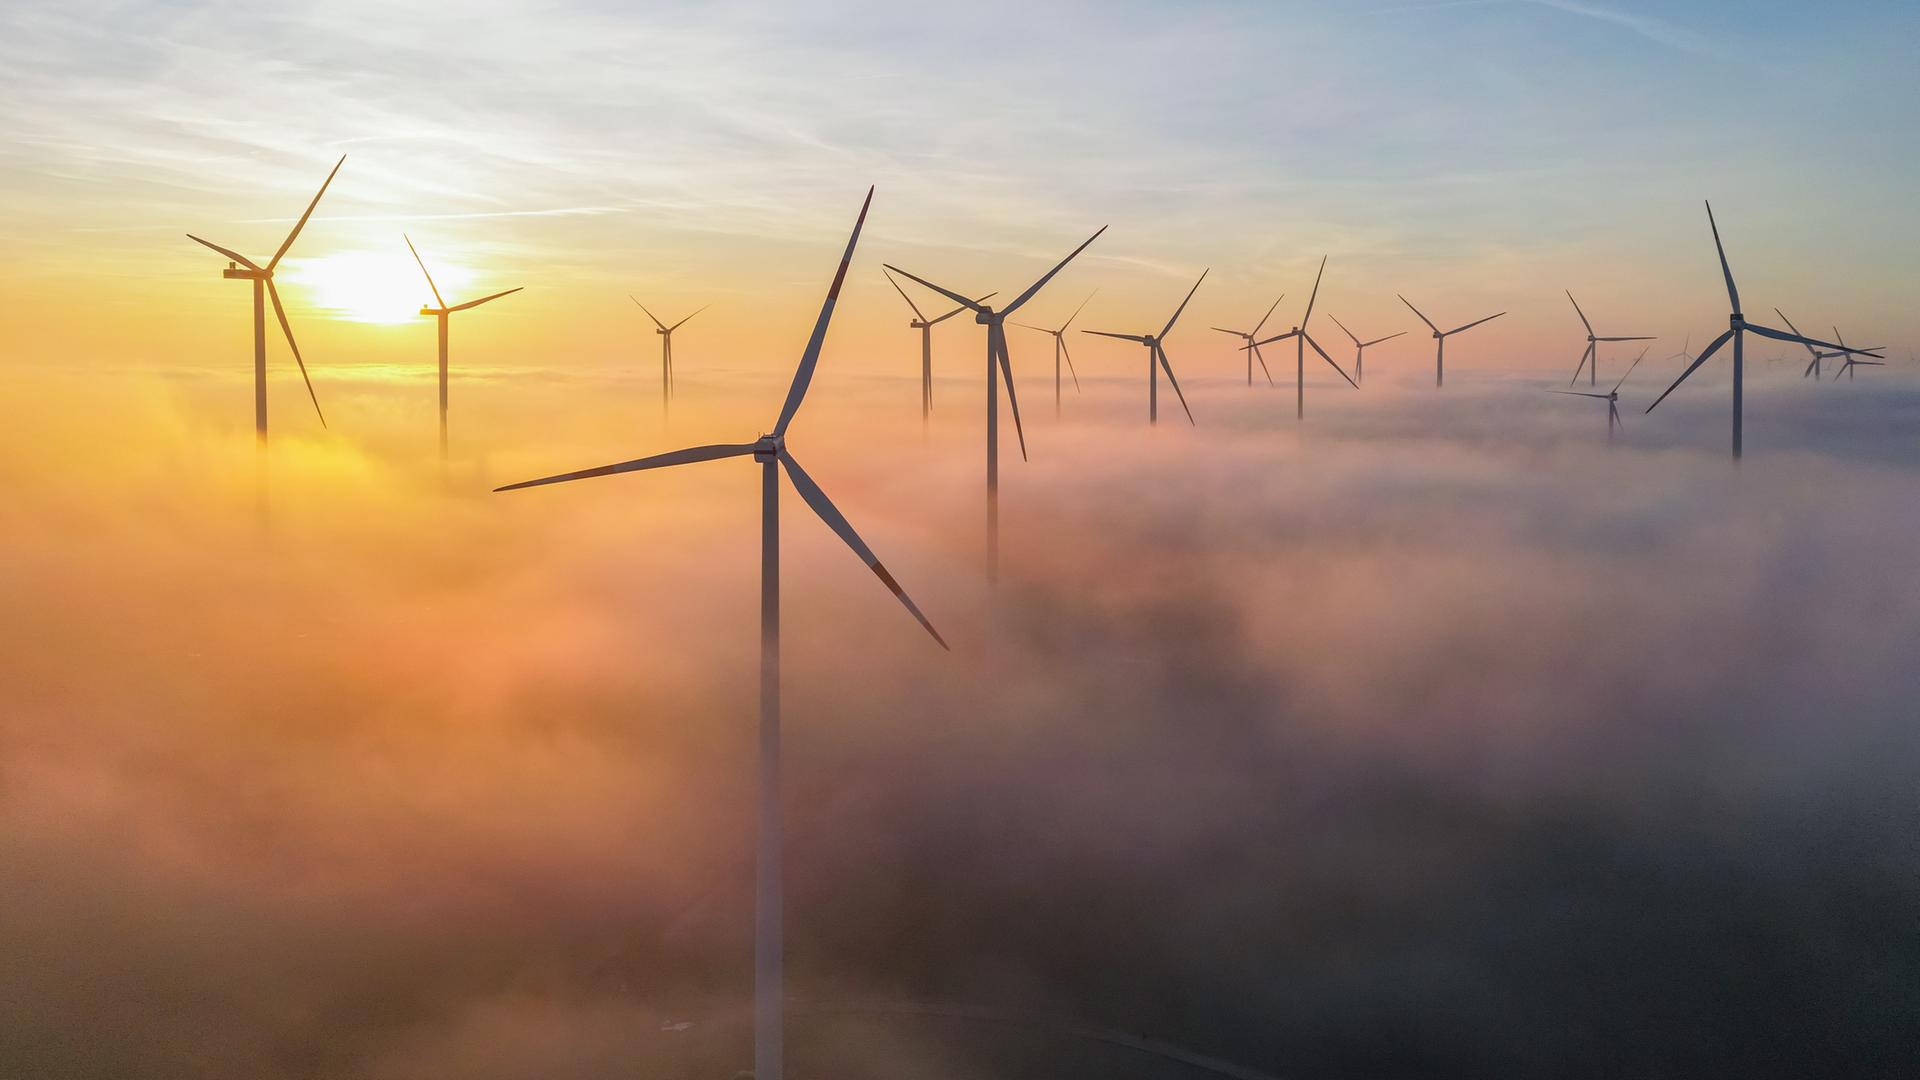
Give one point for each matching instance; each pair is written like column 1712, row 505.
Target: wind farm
column 1437, row 737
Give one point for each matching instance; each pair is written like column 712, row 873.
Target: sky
column 1435, row 735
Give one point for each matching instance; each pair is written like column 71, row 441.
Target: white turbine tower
column 1590, row 357
column 1360, row 349
column 998, row 364
column 1247, row 342
column 771, row 453
column 1611, row 397
column 1060, row 349
column 441, row 313
column 925, row 325
column 1737, row 329
column 1440, row 340
column 1157, row 358
column 666, row 349
column 263, row 290
column 1302, row 339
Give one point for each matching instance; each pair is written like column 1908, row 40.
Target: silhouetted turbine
column 771, row 452
column 263, row 290
column 1590, row 357
column 998, row 363
column 1157, row 358
column 441, row 314
column 925, row 325
column 1440, row 340
column 1301, row 339
column 1737, row 328
column 1360, row 349
column 666, row 349
column 1852, row 358
column 1247, row 342
column 1611, row 397
column 1060, row 350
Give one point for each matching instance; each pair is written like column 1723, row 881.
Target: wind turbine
column 1301, row 339
column 771, row 453
column 1611, row 397
column 1247, row 343
column 1157, row 358
column 263, row 290
column 1360, row 349
column 925, row 325
column 998, row 364
column 1737, row 329
column 666, row 348
column 1440, row 340
column 1813, row 364
column 1853, row 361
column 1060, row 349
column 441, row 313
column 1590, row 359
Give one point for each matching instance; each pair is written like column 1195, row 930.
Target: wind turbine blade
column 809, row 359
column 1316, row 293
column 1030, row 326
column 1161, row 354
column 683, row 322
column 1183, row 304
column 1013, row 402
column 1323, row 355
column 1263, row 363
column 1582, row 365
column 1343, row 329
column 484, row 299
column 1136, row 338
column 287, row 329
column 829, row 513
column 948, row 293
column 1789, row 322
column 1780, row 335
column 891, row 280
column 234, row 255
column 1582, row 314
column 1076, row 311
column 1626, row 339
column 1630, row 367
column 650, row 315
column 657, row 461
column 437, row 298
column 302, row 223
column 1733, row 294
column 1268, row 315
column 1582, row 393
column 1475, row 323
column 1274, row 338
column 1065, row 352
column 1693, row 367
column 1235, row 333
column 1035, row 287
column 1389, row 337
column 1416, row 311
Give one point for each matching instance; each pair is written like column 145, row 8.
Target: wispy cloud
column 1651, row 27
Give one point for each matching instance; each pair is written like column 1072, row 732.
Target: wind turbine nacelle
column 984, row 318
column 1437, row 335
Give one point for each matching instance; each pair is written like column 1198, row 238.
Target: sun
column 375, row 287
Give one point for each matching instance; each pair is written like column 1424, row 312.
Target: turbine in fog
column 1247, row 342
column 1157, row 358
column 1853, row 358
column 772, row 455
column 1060, row 350
column 1360, row 349
column 1302, row 339
column 263, row 290
column 1737, row 329
column 1611, row 397
column 925, row 325
column 1440, row 340
column 441, row 314
column 666, row 349
column 998, row 364
column 1590, row 357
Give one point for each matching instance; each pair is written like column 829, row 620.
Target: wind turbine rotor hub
column 985, row 316
column 767, row 448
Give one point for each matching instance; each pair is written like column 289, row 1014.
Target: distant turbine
column 1301, row 339
column 1247, row 342
column 770, row 451
column 1737, row 329
column 1060, row 349
column 1813, row 364
column 1157, row 358
column 441, row 313
column 1853, row 360
column 1440, row 340
column 1590, row 359
column 925, row 325
column 1683, row 354
column 998, row 363
column 1360, row 349
column 666, row 349
column 1611, row 397
column 262, row 278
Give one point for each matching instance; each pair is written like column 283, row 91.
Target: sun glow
column 375, row 287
